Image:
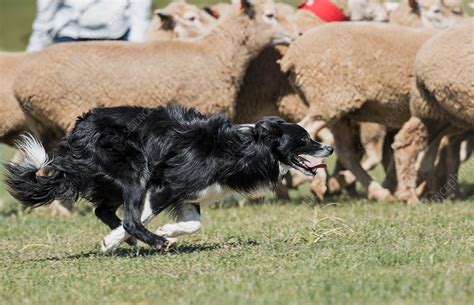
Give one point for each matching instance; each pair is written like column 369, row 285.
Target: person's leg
column 63, row 39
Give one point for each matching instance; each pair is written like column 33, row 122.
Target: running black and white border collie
column 155, row 159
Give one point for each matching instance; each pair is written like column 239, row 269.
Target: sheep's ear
column 211, row 12
column 414, row 5
column 167, row 21
column 247, row 7
column 267, row 128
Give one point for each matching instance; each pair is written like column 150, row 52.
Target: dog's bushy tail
column 33, row 180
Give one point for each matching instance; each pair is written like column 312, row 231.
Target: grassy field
column 344, row 251
column 299, row 252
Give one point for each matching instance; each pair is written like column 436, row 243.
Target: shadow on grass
column 144, row 251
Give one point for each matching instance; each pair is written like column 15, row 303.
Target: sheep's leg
column 371, row 140
column 388, row 162
column 344, row 144
column 467, row 147
column 319, row 184
column 372, row 137
column 415, row 148
column 314, row 127
column 344, row 178
column 373, row 152
column 410, row 142
column 453, row 161
column 298, row 178
column 282, row 189
column 336, row 181
column 188, row 222
column 432, row 187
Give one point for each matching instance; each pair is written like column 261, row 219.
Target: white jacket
column 89, row 19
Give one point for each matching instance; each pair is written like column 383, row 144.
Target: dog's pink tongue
column 314, row 165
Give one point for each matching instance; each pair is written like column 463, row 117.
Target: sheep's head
column 438, row 14
column 184, row 20
column 267, row 22
column 285, row 18
column 369, row 10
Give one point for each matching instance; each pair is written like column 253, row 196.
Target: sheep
column 442, row 102
column 265, row 89
column 354, row 81
column 437, row 14
column 367, row 10
column 179, row 20
column 67, row 80
column 12, row 119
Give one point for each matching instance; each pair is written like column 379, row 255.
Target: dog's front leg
column 188, row 222
column 120, row 234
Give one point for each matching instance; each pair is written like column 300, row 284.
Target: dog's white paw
column 171, row 242
column 105, row 248
column 113, row 240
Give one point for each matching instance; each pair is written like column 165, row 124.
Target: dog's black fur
column 115, row 155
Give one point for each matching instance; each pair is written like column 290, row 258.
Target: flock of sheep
column 400, row 93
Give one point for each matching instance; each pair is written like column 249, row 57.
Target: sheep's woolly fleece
column 444, row 87
column 341, row 68
column 59, row 85
column 11, row 116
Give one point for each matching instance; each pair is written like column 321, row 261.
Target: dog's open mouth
column 310, row 167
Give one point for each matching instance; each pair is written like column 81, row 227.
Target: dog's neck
column 253, row 164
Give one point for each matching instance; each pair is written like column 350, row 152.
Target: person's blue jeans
column 61, row 39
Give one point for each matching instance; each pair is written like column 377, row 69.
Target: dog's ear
column 267, row 128
column 247, row 7
column 167, row 21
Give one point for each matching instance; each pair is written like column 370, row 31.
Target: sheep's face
column 367, row 10
column 287, row 23
column 440, row 14
column 185, row 20
column 266, row 23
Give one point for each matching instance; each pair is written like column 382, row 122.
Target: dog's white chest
column 213, row 194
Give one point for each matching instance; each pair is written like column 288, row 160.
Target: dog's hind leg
column 107, row 214
column 122, row 233
column 188, row 222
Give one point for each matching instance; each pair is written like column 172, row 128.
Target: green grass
column 342, row 252
column 352, row 253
